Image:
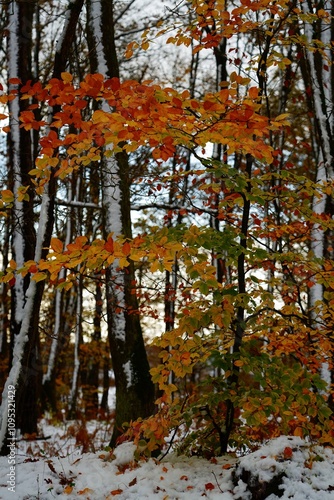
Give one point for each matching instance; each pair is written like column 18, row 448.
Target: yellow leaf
column 12, row 264
column 7, row 195
column 66, row 77
column 123, row 262
column 155, row 266
column 7, row 277
column 298, row 432
column 282, row 117
column 39, row 277
column 68, row 489
column 239, row 362
column 100, row 116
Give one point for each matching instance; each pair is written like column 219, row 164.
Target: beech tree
column 245, row 244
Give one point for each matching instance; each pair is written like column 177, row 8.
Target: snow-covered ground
column 57, row 468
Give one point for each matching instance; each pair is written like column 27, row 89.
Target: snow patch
column 128, row 374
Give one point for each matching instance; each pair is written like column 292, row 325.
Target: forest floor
column 71, row 464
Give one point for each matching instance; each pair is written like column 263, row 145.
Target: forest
column 166, row 214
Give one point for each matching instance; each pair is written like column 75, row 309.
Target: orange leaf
column 66, row 77
column 227, row 466
column 287, row 452
column 12, row 264
column 86, row 490
column 253, row 92
column 7, row 195
column 68, row 489
column 116, row 492
column 56, row 245
column 126, row 248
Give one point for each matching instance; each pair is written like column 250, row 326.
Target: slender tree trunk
column 4, row 309
column 63, row 308
column 78, row 341
column 91, row 386
column 106, row 385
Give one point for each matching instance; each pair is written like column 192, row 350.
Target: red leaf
column 109, row 245
column 287, row 452
column 11, row 282
column 209, row 486
column 113, row 84
column 14, row 81
column 126, row 248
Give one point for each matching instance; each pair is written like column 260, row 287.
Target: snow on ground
column 57, row 468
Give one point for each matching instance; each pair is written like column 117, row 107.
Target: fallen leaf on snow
column 86, row 490
column 116, row 492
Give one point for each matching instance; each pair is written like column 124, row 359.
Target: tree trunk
column 26, row 369
column 318, row 74
column 134, row 387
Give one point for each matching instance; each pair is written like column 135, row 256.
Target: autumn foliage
column 246, row 344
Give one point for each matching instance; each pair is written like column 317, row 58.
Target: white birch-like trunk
column 14, row 112
column 134, row 387
column 111, row 195
column 77, row 340
column 322, row 90
column 22, row 338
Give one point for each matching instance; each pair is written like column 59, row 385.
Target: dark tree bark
column 26, row 369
